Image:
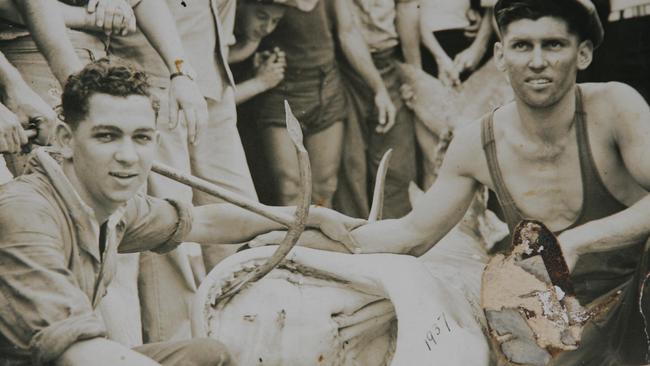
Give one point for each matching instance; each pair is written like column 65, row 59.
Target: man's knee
column 207, row 352
column 288, row 189
column 324, row 189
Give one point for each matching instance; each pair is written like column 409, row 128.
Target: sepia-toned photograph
column 324, row 182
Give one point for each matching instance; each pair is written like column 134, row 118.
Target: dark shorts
column 315, row 96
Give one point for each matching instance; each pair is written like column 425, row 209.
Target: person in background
column 255, row 20
column 450, row 52
column 255, row 73
column 392, row 33
column 46, row 27
column 20, row 104
column 312, row 86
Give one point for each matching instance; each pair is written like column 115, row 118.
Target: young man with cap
column 571, row 156
column 63, row 223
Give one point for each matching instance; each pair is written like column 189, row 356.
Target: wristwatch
column 182, row 69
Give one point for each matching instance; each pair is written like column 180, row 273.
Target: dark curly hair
column 108, row 75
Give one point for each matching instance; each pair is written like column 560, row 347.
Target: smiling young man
column 63, row 223
column 572, row 156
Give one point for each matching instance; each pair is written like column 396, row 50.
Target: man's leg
column 219, row 158
column 283, row 164
column 325, row 148
column 400, row 138
column 166, row 282
column 402, row 167
column 195, row 352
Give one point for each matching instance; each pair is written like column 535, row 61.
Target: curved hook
column 301, row 213
column 377, row 206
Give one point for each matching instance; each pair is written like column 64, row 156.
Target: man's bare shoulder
column 612, row 100
column 464, row 156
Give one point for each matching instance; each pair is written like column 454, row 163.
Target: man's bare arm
column 447, row 73
column 632, row 137
column 12, row 135
column 73, row 16
column 432, row 217
column 470, row 58
column 354, row 46
column 158, row 25
column 407, row 22
column 269, row 72
column 24, row 105
column 439, row 210
column 102, row 352
column 243, row 49
column 227, row 223
column 49, row 32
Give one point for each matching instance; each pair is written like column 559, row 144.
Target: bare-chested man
column 572, row 156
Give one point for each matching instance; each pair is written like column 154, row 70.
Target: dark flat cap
column 593, row 28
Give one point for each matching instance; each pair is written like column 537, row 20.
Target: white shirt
column 437, row 15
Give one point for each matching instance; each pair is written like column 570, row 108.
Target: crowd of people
column 200, row 85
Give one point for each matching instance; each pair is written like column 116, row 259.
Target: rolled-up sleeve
column 42, row 309
column 155, row 224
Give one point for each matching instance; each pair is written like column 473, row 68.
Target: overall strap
column 510, row 211
column 597, row 200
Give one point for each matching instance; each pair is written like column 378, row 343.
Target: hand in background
column 113, row 16
column 12, row 135
column 474, row 17
column 27, row 106
column 269, row 68
column 447, row 72
column 408, row 95
column 186, row 97
column 468, row 59
column 386, row 111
